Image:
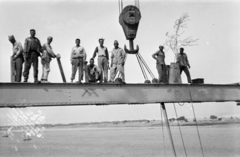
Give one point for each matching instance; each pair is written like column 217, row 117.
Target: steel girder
column 67, row 94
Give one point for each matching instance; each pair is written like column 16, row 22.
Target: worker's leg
column 160, row 71
column 85, row 72
column 188, row 74
column 35, row 67
column 47, row 70
column 43, row 70
column 105, row 68
column 27, row 67
column 80, row 71
column 113, row 72
column 19, row 62
column 120, row 68
column 74, row 69
column 100, row 66
column 181, row 69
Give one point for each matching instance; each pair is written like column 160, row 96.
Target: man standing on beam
column 78, row 57
column 103, row 59
column 117, row 62
column 32, row 50
column 182, row 60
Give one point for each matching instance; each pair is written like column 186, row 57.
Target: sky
column 215, row 58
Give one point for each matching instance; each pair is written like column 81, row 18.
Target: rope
column 196, row 121
column 180, row 130
column 119, row 7
column 163, row 132
column 141, row 66
column 146, row 66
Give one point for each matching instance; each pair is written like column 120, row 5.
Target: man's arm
column 25, row 46
column 71, row 57
column 84, row 55
column 95, row 52
column 124, row 56
column 112, row 56
column 154, row 55
column 107, row 56
column 187, row 61
column 25, row 49
column 40, row 46
column 20, row 49
column 50, row 51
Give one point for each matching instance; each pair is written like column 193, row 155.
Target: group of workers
column 93, row 73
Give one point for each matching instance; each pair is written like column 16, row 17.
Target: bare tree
column 174, row 42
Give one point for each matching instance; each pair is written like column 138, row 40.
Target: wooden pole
column 168, row 128
column 61, row 70
column 13, row 70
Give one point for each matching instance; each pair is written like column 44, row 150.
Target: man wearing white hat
column 46, row 59
column 17, row 57
column 117, row 62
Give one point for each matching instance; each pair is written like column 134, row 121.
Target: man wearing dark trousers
column 182, row 60
column 32, row 50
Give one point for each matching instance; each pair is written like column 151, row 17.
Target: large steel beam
column 66, row 94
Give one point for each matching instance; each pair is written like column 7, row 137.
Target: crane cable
column 146, row 66
column 195, row 120
column 163, row 132
column 142, row 68
column 180, row 130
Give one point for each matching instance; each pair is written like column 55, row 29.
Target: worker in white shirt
column 78, row 57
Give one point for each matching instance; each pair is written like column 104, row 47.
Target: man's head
column 77, row 41
column 11, row 39
column 181, row 50
column 32, row 32
column 49, row 39
column 115, row 44
column 101, row 41
column 161, row 47
column 91, row 61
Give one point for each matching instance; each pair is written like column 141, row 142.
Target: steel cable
column 180, row 130
column 146, row 66
column 163, row 131
column 195, row 121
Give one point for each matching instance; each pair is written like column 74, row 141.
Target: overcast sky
column 216, row 58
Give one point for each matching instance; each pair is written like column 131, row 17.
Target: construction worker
column 17, row 57
column 32, row 50
column 47, row 54
column 117, row 62
column 94, row 72
column 159, row 56
column 103, row 59
column 182, row 60
column 78, row 57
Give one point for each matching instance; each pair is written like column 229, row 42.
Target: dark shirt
column 34, row 44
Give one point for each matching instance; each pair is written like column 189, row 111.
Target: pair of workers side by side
column 94, row 73
column 29, row 56
column 182, row 61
